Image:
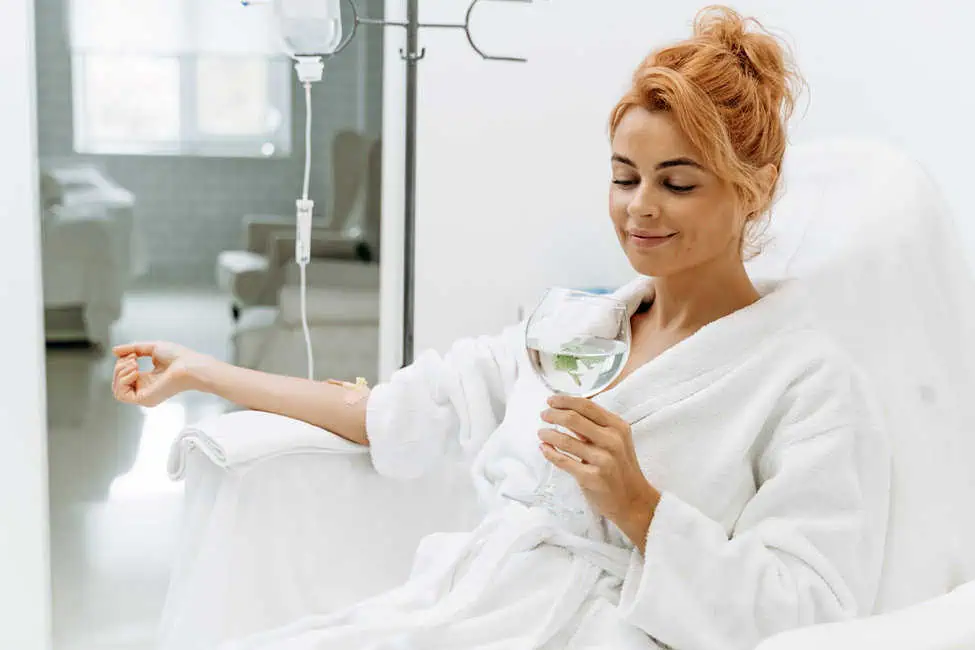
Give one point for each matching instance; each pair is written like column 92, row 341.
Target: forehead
column 647, row 137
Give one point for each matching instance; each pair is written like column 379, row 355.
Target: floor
column 114, row 512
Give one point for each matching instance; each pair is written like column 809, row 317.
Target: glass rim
column 586, row 294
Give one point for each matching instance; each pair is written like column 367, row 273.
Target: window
column 179, row 77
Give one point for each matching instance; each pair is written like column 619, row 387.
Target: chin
column 645, row 264
column 652, row 263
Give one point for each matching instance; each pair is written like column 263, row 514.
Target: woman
column 739, row 478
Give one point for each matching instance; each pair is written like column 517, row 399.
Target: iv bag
column 309, row 27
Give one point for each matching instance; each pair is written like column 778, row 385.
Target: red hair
column 731, row 92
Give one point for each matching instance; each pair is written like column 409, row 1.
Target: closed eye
column 680, row 189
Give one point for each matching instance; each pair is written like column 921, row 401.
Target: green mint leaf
column 566, row 362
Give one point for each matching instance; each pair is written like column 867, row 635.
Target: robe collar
column 712, row 351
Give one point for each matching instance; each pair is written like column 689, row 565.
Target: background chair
column 349, row 231
column 301, row 524
column 342, row 279
column 91, row 252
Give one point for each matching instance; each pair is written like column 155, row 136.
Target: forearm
column 318, row 403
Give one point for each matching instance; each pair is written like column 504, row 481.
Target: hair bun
column 759, row 53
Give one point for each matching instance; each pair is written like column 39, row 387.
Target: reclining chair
column 284, row 519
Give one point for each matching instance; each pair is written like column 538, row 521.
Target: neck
column 689, row 300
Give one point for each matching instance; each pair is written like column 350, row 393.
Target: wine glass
column 578, row 343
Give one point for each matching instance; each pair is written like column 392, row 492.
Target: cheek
column 617, row 207
column 689, row 214
column 701, row 220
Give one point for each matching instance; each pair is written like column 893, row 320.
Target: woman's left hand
column 609, row 473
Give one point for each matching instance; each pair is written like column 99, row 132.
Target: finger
column 122, row 371
column 573, row 421
column 580, row 472
column 127, row 386
column 613, row 437
column 140, row 349
column 585, row 407
column 118, row 389
column 120, row 367
column 139, row 392
column 566, row 443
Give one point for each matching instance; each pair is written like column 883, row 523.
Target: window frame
column 190, row 141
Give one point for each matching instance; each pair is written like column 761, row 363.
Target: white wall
column 514, row 158
column 24, row 593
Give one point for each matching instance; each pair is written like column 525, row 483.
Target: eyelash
column 679, row 189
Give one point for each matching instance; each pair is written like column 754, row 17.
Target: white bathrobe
column 761, row 436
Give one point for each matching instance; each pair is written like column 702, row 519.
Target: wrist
column 199, row 373
column 641, row 517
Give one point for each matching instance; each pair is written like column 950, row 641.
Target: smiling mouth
column 650, row 241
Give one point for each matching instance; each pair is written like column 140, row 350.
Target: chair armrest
column 943, row 623
column 260, row 229
column 236, row 440
column 325, row 244
column 273, row 238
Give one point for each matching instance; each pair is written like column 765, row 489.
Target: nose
column 642, row 203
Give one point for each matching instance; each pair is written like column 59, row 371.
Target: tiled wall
column 191, row 208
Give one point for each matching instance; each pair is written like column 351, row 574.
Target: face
column 660, row 189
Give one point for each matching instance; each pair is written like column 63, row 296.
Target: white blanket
column 757, row 430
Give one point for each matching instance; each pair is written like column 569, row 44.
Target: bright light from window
column 231, row 96
column 191, row 105
column 131, row 99
column 178, row 77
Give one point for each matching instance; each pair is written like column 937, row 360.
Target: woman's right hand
column 171, row 372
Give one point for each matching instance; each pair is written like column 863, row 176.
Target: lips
column 651, row 242
column 652, row 238
column 646, row 234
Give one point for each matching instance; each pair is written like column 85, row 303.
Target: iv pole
column 412, row 56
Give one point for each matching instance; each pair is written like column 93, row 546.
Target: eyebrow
column 673, row 162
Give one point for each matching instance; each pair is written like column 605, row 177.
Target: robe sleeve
column 807, row 548
column 442, row 405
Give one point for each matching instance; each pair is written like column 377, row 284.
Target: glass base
column 564, row 501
